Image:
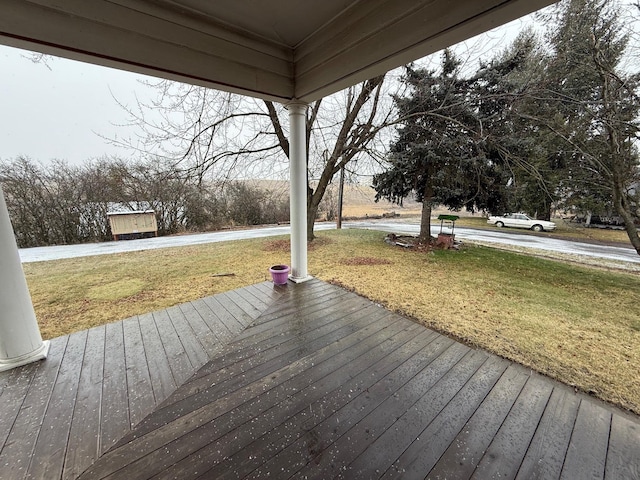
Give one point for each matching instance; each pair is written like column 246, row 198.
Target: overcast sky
column 58, row 112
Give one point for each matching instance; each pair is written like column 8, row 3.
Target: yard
column 577, row 324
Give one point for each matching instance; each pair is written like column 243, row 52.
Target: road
column 497, row 236
column 39, row 254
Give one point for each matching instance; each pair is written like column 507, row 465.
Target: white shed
column 134, row 224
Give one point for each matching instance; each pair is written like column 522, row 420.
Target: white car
column 520, row 220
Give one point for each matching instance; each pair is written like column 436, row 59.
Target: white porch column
column 20, row 340
column 298, row 190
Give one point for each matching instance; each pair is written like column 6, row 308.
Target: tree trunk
column 313, row 203
column 425, row 222
column 631, row 229
column 425, row 219
column 622, row 209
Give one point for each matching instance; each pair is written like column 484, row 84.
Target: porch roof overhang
column 278, row 50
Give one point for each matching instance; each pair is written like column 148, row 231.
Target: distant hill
column 359, row 200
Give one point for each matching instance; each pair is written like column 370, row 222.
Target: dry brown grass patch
column 284, row 245
column 358, row 261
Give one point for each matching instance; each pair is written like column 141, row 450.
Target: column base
column 300, row 279
column 38, row 354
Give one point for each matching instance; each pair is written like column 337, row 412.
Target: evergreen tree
column 457, row 138
column 592, row 107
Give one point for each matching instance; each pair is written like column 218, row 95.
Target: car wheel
column 499, row 224
column 537, row 228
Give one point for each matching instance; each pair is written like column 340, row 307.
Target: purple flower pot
column 280, row 274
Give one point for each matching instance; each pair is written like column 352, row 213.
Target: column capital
column 296, row 106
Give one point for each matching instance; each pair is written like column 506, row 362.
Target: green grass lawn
column 577, row 324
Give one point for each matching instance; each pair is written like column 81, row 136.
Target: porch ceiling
column 278, row 49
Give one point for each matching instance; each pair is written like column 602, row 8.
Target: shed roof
column 131, row 212
column 278, row 49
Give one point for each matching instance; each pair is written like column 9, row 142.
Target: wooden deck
column 301, row 381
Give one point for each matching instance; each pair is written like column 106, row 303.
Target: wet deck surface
column 302, row 381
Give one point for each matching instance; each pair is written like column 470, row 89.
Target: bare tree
column 212, row 135
column 340, row 130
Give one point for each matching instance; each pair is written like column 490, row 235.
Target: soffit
column 273, row 49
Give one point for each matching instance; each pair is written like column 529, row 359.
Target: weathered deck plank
column 417, row 454
column 296, row 381
column 587, row 452
column 114, row 422
column 250, row 306
column 84, row 438
column 181, row 366
column 209, row 340
column 14, row 391
column 162, row 381
column 139, row 386
column 265, row 296
column 186, row 418
column 465, row 452
column 50, row 448
column 505, row 453
column 316, row 404
column 222, row 333
column 264, row 361
column 17, row 453
column 232, row 307
column 194, row 349
column 282, row 419
column 281, row 338
column 623, row 460
column 448, row 371
column 231, row 323
column 548, row 448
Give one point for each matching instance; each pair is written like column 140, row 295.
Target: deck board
column 17, row 385
column 162, row 381
column 241, row 388
column 155, row 451
column 231, row 323
column 263, row 361
column 314, row 405
column 139, row 386
column 220, row 330
column 296, row 381
column 232, row 307
column 420, row 452
column 251, row 306
column 465, row 452
column 114, row 422
column 505, row 453
column 205, row 336
column 587, row 452
column 194, row 349
column 623, row 460
column 17, row 453
column 548, row 448
column 330, row 417
column 84, row 436
column 280, row 420
column 51, row 446
column 179, row 362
